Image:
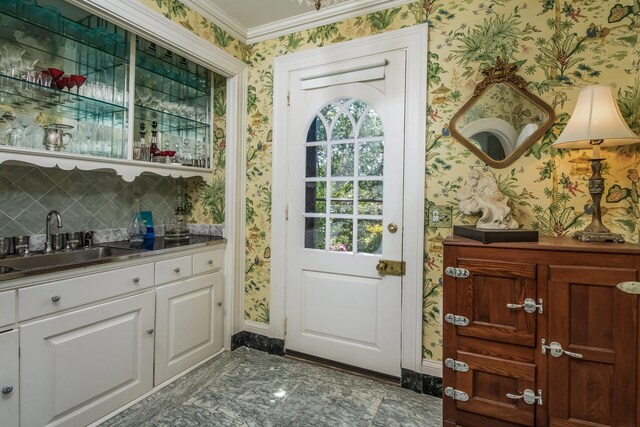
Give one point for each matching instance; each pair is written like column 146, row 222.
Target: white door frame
column 414, row 41
column 141, row 20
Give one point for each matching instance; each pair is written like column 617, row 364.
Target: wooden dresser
column 538, row 334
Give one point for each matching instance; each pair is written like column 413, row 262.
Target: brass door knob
column 381, row 266
column 392, row 228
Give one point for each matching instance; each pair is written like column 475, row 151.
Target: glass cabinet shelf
column 167, row 122
column 22, row 95
column 58, row 50
column 179, row 75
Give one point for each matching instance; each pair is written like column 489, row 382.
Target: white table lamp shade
column 596, row 117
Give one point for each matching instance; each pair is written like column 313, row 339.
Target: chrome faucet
column 47, row 243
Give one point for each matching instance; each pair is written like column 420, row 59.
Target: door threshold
column 343, row 367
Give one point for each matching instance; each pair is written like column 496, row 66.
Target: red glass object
column 78, row 79
column 70, row 83
column 55, row 73
column 61, row 82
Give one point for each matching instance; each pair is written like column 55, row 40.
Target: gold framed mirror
column 502, row 119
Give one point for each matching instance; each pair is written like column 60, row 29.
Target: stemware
column 79, row 81
column 89, row 129
column 55, row 74
column 13, row 55
column 61, row 83
column 24, row 120
column 70, row 84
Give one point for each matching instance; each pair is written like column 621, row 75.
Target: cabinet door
column 495, row 370
column 188, row 324
column 588, row 315
column 80, row 366
column 9, row 403
column 483, row 297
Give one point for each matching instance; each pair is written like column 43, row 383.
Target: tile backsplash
column 86, row 200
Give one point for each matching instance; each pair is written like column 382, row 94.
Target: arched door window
column 344, row 178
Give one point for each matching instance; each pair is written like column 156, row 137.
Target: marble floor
column 252, row 388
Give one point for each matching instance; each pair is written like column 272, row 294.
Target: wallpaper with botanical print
column 559, row 46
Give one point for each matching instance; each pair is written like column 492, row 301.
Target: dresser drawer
column 57, row 296
column 208, row 261
column 173, row 269
column 7, row 308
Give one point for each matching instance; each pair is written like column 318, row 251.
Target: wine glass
column 24, row 120
column 13, row 55
column 89, row 129
column 79, row 81
column 186, row 158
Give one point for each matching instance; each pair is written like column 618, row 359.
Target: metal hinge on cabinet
column 458, row 273
column 456, row 320
column 456, row 394
column 286, row 211
column 456, row 365
column 285, row 327
column 289, row 98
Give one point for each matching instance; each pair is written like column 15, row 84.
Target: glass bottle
column 144, row 147
column 137, row 228
column 154, row 139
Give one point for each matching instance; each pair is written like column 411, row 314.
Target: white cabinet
column 9, row 403
column 7, row 309
column 79, row 366
column 188, row 324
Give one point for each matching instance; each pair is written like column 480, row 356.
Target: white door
column 80, row 366
column 9, row 403
column 344, row 192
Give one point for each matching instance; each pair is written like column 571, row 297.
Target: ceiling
column 255, row 20
column 256, row 13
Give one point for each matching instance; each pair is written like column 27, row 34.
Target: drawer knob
column 529, row 396
column 56, row 298
column 177, row 269
column 8, row 389
column 150, row 331
column 219, row 303
column 210, row 262
column 136, row 280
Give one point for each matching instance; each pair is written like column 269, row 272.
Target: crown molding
column 315, row 19
column 312, row 19
column 218, row 17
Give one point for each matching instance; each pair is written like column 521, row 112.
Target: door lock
column 391, row 268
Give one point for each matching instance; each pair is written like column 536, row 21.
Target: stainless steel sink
column 63, row 259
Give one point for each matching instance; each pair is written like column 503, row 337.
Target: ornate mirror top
column 502, row 119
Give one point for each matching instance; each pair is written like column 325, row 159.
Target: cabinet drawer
column 208, row 261
column 7, row 308
column 57, row 296
column 173, row 269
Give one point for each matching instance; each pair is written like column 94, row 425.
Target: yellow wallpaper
column 559, row 46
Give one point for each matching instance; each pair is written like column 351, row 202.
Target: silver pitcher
column 54, row 136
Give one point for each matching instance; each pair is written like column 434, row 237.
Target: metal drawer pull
column 456, row 365
column 529, row 397
column 456, row 394
column 136, row 280
column 210, row 262
column 150, row 331
column 8, row 389
column 456, row 320
column 177, row 269
column 460, row 273
column 56, row 298
column 529, row 305
column 556, row 350
column 629, row 287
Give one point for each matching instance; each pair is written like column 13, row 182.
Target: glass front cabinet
column 78, row 91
